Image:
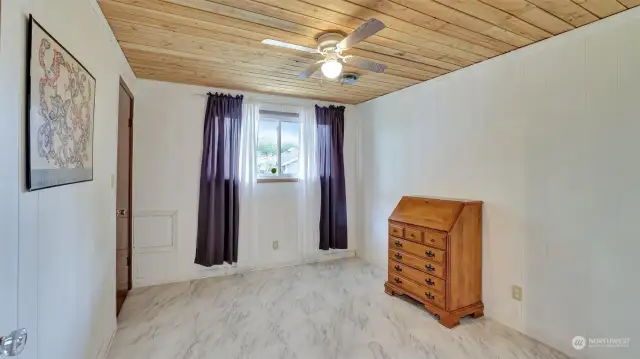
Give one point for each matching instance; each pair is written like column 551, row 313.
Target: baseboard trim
column 227, row 270
column 104, row 349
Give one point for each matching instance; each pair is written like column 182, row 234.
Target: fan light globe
column 332, row 69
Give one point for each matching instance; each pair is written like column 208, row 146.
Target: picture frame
column 60, row 110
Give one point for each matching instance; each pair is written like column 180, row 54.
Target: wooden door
column 123, row 197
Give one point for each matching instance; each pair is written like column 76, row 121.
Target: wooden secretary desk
column 435, row 256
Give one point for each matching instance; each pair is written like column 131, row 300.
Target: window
column 278, row 148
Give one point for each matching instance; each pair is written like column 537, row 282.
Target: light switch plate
column 516, row 293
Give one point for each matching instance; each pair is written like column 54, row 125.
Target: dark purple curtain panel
column 218, row 210
column 333, row 207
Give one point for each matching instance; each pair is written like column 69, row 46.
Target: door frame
column 10, row 187
column 124, row 86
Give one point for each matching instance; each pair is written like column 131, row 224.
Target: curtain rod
column 310, row 102
column 303, row 102
column 280, row 113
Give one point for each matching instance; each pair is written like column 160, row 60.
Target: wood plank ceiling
column 217, row 43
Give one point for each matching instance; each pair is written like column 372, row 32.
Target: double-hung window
column 278, row 148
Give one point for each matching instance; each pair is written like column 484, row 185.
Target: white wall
column 9, row 198
column 66, row 234
column 168, row 125
column 548, row 136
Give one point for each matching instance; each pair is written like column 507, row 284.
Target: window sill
column 277, row 180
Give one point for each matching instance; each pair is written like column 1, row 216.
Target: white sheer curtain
column 248, row 235
column 308, row 186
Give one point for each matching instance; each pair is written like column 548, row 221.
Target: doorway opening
column 124, row 182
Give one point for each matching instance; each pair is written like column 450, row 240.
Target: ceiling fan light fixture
column 332, row 69
column 331, row 46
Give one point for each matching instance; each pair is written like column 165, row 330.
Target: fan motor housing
column 329, row 41
column 349, row 78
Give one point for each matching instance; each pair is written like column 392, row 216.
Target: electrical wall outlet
column 516, row 293
column 275, row 245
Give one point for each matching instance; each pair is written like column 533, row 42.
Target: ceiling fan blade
column 364, row 64
column 310, row 70
column 289, row 46
column 369, row 28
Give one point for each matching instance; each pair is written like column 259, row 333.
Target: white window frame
column 279, row 117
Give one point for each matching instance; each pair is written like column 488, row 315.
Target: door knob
column 14, row 343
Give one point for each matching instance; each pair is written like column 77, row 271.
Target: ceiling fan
column 331, row 45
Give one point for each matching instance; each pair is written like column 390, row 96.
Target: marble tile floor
column 326, row 310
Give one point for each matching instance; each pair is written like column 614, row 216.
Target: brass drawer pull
column 398, row 256
column 429, row 281
column 398, row 268
column 430, row 254
column 398, row 244
column 429, row 295
column 398, row 280
column 430, row 268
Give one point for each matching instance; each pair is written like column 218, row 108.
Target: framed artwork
column 60, row 114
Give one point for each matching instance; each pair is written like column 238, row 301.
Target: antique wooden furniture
column 435, row 256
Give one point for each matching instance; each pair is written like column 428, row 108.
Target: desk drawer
column 435, row 239
column 417, row 263
column 429, row 281
column 396, row 230
column 416, row 289
column 413, row 234
column 430, row 253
